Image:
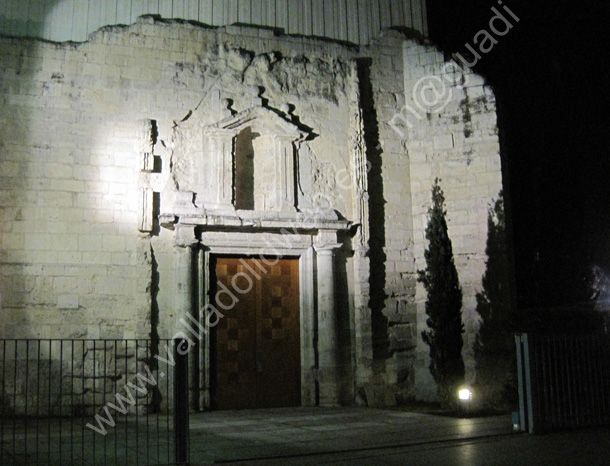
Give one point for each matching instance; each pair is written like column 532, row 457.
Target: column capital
column 328, row 366
column 326, row 248
column 326, row 240
column 185, row 236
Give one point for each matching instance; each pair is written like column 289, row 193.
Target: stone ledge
column 253, row 220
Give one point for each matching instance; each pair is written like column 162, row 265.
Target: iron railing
column 94, row 402
column 564, row 381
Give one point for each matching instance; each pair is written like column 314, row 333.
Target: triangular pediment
column 260, row 120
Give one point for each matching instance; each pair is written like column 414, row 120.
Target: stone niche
column 249, row 163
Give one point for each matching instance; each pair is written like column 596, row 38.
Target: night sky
column 551, row 75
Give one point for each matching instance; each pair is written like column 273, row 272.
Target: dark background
column 551, row 77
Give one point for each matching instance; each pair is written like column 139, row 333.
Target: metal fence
column 94, row 402
column 564, row 381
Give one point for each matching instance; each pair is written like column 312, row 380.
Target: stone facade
column 124, row 169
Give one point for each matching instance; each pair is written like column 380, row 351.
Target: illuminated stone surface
column 116, row 158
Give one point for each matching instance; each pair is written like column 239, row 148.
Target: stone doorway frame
column 305, row 255
column 314, row 247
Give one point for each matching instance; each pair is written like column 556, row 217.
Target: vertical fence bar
column 32, row 409
column 590, row 413
column 26, row 396
column 49, row 391
column 181, row 397
column 567, row 361
column 584, row 393
column 565, row 367
column 570, row 382
column 105, row 376
column 82, row 408
column 586, row 406
column 94, row 390
column 3, row 415
column 563, row 384
column 595, row 407
column 60, row 401
column 137, row 403
column 604, row 379
column 601, row 393
column 158, row 409
column 580, row 358
column 547, row 393
column 170, row 457
column 15, row 401
column 555, row 393
column 559, row 378
column 126, row 377
column 116, row 372
column 539, row 368
column 577, row 356
column 38, row 401
column 72, row 413
column 148, row 402
column 126, row 358
column 520, row 382
column 546, row 417
column 528, row 384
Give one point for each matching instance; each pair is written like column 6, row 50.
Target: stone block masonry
column 459, row 145
column 103, row 142
column 76, row 377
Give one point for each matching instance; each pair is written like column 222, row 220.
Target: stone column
column 284, row 173
column 216, row 174
column 186, row 301
column 328, row 364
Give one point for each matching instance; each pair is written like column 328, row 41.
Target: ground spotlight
column 464, row 400
column 465, row 394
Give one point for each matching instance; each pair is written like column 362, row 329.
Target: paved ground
column 362, row 436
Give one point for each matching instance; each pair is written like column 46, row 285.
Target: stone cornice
column 250, row 220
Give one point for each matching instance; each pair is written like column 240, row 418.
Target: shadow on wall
column 344, row 327
column 27, row 20
column 377, row 256
column 20, row 285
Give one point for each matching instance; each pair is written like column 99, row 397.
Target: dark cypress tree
column 494, row 348
column 443, row 303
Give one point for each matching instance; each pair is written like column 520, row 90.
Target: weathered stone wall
column 73, row 263
column 457, row 143
column 90, row 131
column 431, row 120
column 75, row 377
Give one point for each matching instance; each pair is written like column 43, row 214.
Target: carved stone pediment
column 260, row 120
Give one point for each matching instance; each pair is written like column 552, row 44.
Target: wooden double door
column 255, row 348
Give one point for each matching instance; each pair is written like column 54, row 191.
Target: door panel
column 278, row 337
column 234, row 359
column 256, row 346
